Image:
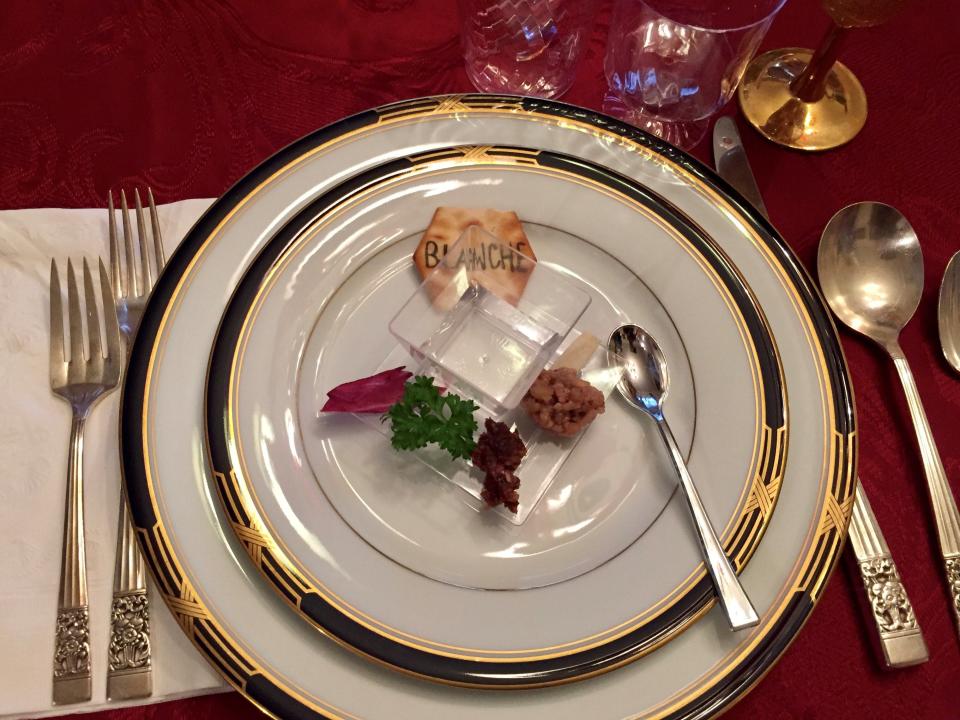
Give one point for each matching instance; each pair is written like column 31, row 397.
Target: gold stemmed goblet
column 808, row 100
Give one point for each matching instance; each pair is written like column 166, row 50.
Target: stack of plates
column 322, row 581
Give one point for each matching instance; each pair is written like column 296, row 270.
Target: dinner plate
column 248, row 633
column 312, row 311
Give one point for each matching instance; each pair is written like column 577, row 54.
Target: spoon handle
column 736, row 604
column 941, row 497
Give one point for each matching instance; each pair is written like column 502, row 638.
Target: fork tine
column 130, row 278
column 114, row 250
column 146, row 276
column 159, row 258
column 57, row 357
column 76, row 325
column 93, row 321
column 111, row 329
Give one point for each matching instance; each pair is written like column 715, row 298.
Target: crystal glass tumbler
column 526, row 47
column 672, row 64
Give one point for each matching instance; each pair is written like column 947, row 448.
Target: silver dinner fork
column 129, row 671
column 80, row 378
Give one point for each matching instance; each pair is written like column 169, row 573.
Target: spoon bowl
column 871, row 269
column 948, row 312
column 645, row 380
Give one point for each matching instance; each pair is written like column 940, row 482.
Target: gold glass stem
column 802, row 99
column 810, row 85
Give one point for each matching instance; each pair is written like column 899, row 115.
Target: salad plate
column 286, row 472
column 248, row 632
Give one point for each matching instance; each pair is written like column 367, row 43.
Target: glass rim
column 777, row 6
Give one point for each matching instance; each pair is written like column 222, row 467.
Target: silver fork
column 129, row 671
column 80, row 379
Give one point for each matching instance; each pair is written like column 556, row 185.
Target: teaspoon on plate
column 644, row 384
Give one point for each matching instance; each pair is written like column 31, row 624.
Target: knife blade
column 732, row 164
column 898, row 632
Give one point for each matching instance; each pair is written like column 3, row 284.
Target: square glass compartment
column 546, row 452
column 486, row 319
column 483, row 323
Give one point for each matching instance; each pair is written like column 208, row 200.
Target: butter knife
column 732, row 165
column 899, row 634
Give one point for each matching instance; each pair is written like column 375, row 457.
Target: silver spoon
column 948, row 312
column 644, row 384
column 871, row 272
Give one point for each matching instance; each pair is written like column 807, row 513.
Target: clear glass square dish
column 486, row 319
column 546, row 451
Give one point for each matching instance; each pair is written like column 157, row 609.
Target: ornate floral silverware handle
column 129, row 670
column 71, row 659
column 900, row 637
column 941, row 496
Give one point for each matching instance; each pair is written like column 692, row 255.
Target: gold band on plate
column 820, row 549
column 259, row 532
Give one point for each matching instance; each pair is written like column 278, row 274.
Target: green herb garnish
column 425, row 416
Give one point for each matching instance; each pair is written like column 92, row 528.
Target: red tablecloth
column 186, row 95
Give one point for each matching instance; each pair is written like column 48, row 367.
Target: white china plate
column 600, row 507
column 247, row 632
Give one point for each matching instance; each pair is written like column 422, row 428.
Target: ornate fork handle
column 129, row 670
column 71, row 660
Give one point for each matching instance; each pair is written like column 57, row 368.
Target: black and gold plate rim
column 418, row 656
column 731, row 677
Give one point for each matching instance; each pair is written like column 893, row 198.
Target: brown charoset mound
column 559, row 401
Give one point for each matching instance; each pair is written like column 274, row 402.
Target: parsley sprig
column 424, row 415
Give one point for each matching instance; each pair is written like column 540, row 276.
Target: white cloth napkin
column 34, row 432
